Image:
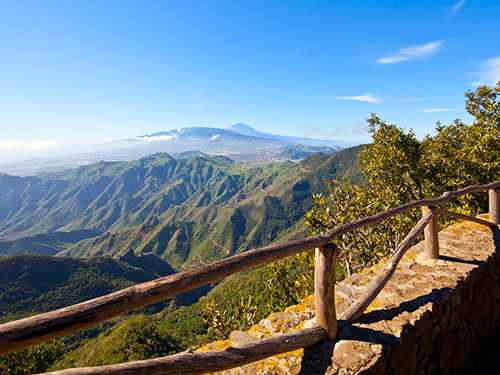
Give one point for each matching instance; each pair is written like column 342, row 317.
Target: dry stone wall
column 425, row 321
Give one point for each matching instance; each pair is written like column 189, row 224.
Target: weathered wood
column 358, row 307
column 495, row 206
column 446, row 197
column 324, row 289
column 464, row 217
column 211, row 361
column 431, row 236
column 40, row 328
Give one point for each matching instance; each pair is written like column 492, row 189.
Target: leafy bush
column 32, row 360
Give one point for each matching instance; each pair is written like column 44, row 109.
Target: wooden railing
column 40, row 328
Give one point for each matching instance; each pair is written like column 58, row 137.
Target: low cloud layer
column 155, row 138
column 28, row 145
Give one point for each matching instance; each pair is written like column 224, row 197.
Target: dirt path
column 215, row 243
column 201, row 260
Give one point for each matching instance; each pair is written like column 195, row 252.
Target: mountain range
column 188, row 211
column 239, row 142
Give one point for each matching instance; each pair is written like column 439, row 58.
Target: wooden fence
column 40, row 328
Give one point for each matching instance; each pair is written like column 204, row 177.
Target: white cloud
column 215, row 136
column 489, row 72
column 155, row 138
column 28, row 145
column 412, row 53
column 430, row 110
column 456, row 8
column 361, row 98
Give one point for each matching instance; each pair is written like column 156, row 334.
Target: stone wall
column 425, row 321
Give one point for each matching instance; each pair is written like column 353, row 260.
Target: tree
column 484, row 104
column 363, row 247
column 400, row 169
column 460, row 154
column 393, row 162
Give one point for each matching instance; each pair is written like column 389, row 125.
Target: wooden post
column 431, row 236
column 495, row 206
column 324, row 289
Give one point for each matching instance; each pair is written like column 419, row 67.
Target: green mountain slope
column 31, row 284
column 110, row 196
column 252, row 208
column 46, row 243
column 136, row 338
column 106, row 196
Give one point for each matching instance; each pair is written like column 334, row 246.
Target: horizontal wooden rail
column 445, row 198
column 464, row 217
column 40, row 328
column 211, row 361
column 358, row 307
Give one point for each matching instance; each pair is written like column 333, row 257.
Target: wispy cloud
column 360, row 98
column 430, row 110
column 411, row 99
column 412, row 53
column 340, row 129
column 214, row 137
column 198, row 102
column 489, row 72
column 456, row 8
column 360, row 127
column 357, row 128
column 291, row 55
column 28, row 145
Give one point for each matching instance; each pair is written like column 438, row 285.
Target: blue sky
column 75, row 73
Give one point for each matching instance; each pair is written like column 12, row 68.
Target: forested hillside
column 31, row 284
column 189, row 211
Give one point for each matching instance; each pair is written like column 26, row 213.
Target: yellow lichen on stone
column 217, row 345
